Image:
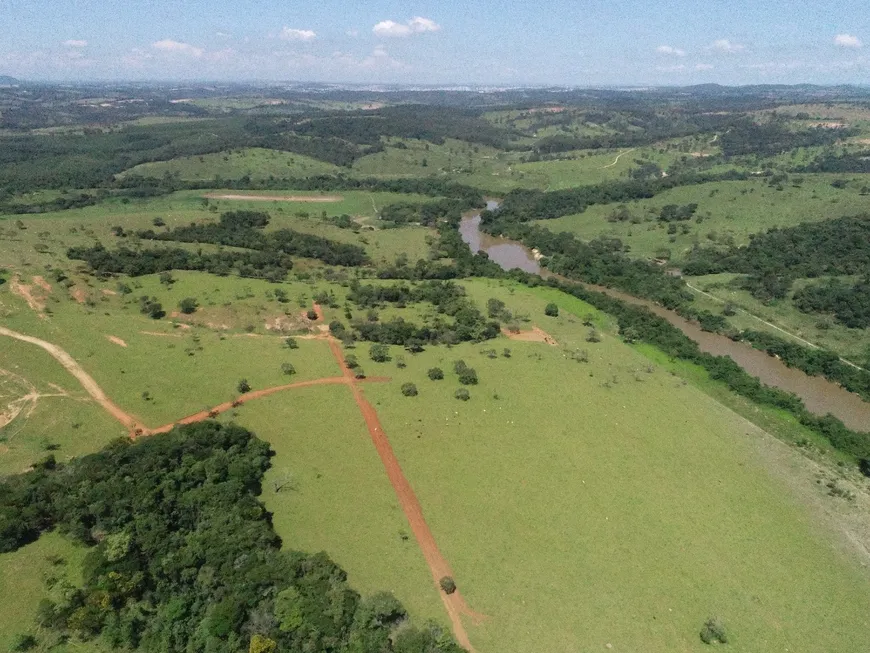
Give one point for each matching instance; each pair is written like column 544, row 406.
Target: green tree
column 188, row 305
column 379, row 353
column 287, row 369
column 435, row 373
column 551, row 310
column 243, row 386
column 409, row 389
column 462, row 394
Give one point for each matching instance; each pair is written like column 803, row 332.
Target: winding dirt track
column 86, row 380
column 438, row 565
column 616, row 160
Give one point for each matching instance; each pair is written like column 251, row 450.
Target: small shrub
column 448, row 585
column 714, row 632
column 409, row 389
column 288, row 369
column 506, row 353
column 436, row 373
column 359, row 374
column 462, row 394
column 468, row 376
column 291, row 343
column 551, row 310
column 311, row 314
column 188, row 305
column 400, row 362
column 379, row 353
column 243, row 386
column 23, row 643
column 351, row 362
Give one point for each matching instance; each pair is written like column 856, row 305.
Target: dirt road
column 86, row 380
column 616, row 160
column 438, row 565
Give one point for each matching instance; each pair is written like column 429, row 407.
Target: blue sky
column 596, row 42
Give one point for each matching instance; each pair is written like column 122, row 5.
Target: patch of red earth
column 79, row 295
column 116, row 340
column 42, row 283
column 26, row 292
column 535, row 334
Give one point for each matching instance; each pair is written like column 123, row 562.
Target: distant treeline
column 839, row 163
column 182, row 555
column 848, row 303
column 747, row 137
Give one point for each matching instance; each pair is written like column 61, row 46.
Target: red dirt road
column 438, row 565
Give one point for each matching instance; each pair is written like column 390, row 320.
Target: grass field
column 729, row 209
column 625, row 514
column 625, row 507
column 45, row 237
column 340, row 500
column 254, row 162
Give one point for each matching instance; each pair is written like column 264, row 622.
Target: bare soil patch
column 35, row 298
column 535, row 334
column 116, row 340
column 79, row 294
column 275, row 198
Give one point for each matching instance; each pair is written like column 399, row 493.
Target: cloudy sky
column 581, row 42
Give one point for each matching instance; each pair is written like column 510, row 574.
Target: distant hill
column 5, row 80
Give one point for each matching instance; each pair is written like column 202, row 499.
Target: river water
column 818, row 394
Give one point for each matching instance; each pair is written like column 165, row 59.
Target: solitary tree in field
column 435, row 373
column 551, row 310
column 288, row 369
column 188, row 305
column 243, row 386
column 447, row 584
column 409, row 389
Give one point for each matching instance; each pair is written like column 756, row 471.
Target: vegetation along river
column 818, row 394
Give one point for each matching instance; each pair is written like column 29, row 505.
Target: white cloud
column 703, row 66
column 222, row 35
column 177, row 47
column 671, row 69
column 847, row 41
column 416, row 25
column 75, row 43
column 291, row 34
column 724, row 45
column 667, row 49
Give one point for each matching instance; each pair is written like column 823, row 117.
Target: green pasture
column 254, row 162
column 336, row 496
column 625, row 507
column 23, row 576
column 43, row 239
column 727, row 209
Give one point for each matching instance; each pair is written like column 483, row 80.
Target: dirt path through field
column 438, row 565
column 86, row 380
column 616, row 160
column 275, row 198
column 535, row 334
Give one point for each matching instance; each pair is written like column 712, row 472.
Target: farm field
column 729, row 210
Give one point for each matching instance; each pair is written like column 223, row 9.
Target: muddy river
column 818, row 394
